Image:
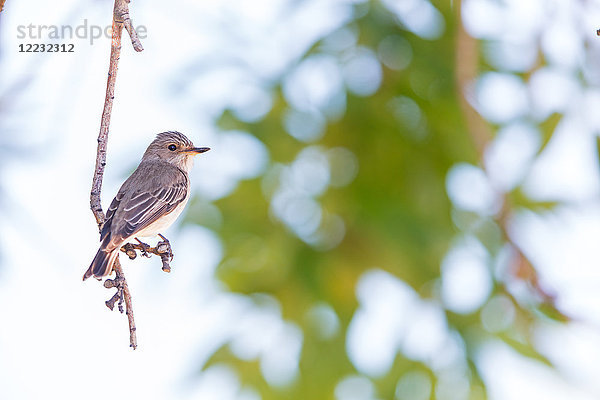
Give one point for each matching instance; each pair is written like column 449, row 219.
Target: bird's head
column 174, row 148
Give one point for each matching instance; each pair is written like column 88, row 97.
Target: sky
column 58, row 338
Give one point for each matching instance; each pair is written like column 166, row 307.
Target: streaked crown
column 177, row 138
column 173, row 147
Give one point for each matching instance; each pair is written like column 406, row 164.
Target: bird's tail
column 102, row 264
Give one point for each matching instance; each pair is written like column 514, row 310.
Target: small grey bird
column 149, row 200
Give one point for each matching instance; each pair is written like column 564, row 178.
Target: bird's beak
column 198, row 150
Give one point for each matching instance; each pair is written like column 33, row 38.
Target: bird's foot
column 163, row 248
column 118, row 296
column 130, row 249
column 144, row 249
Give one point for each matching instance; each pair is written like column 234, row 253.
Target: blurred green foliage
column 396, row 213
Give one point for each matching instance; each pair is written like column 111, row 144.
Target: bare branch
column 120, row 18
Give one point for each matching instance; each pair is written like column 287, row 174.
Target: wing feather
column 109, row 214
column 144, row 208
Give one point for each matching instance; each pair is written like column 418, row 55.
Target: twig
column 120, row 18
column 2, row 5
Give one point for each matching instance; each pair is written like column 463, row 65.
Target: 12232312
column 47, row 48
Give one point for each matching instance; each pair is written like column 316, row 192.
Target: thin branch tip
column 122, row 18
column 135, row 40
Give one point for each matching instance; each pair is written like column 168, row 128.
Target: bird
column 149, row 201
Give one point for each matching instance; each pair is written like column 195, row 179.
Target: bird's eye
column 172, row 147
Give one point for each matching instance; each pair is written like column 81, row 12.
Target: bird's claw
column 144, row 249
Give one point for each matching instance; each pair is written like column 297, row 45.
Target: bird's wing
column 146, row 206
column 109, row 214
